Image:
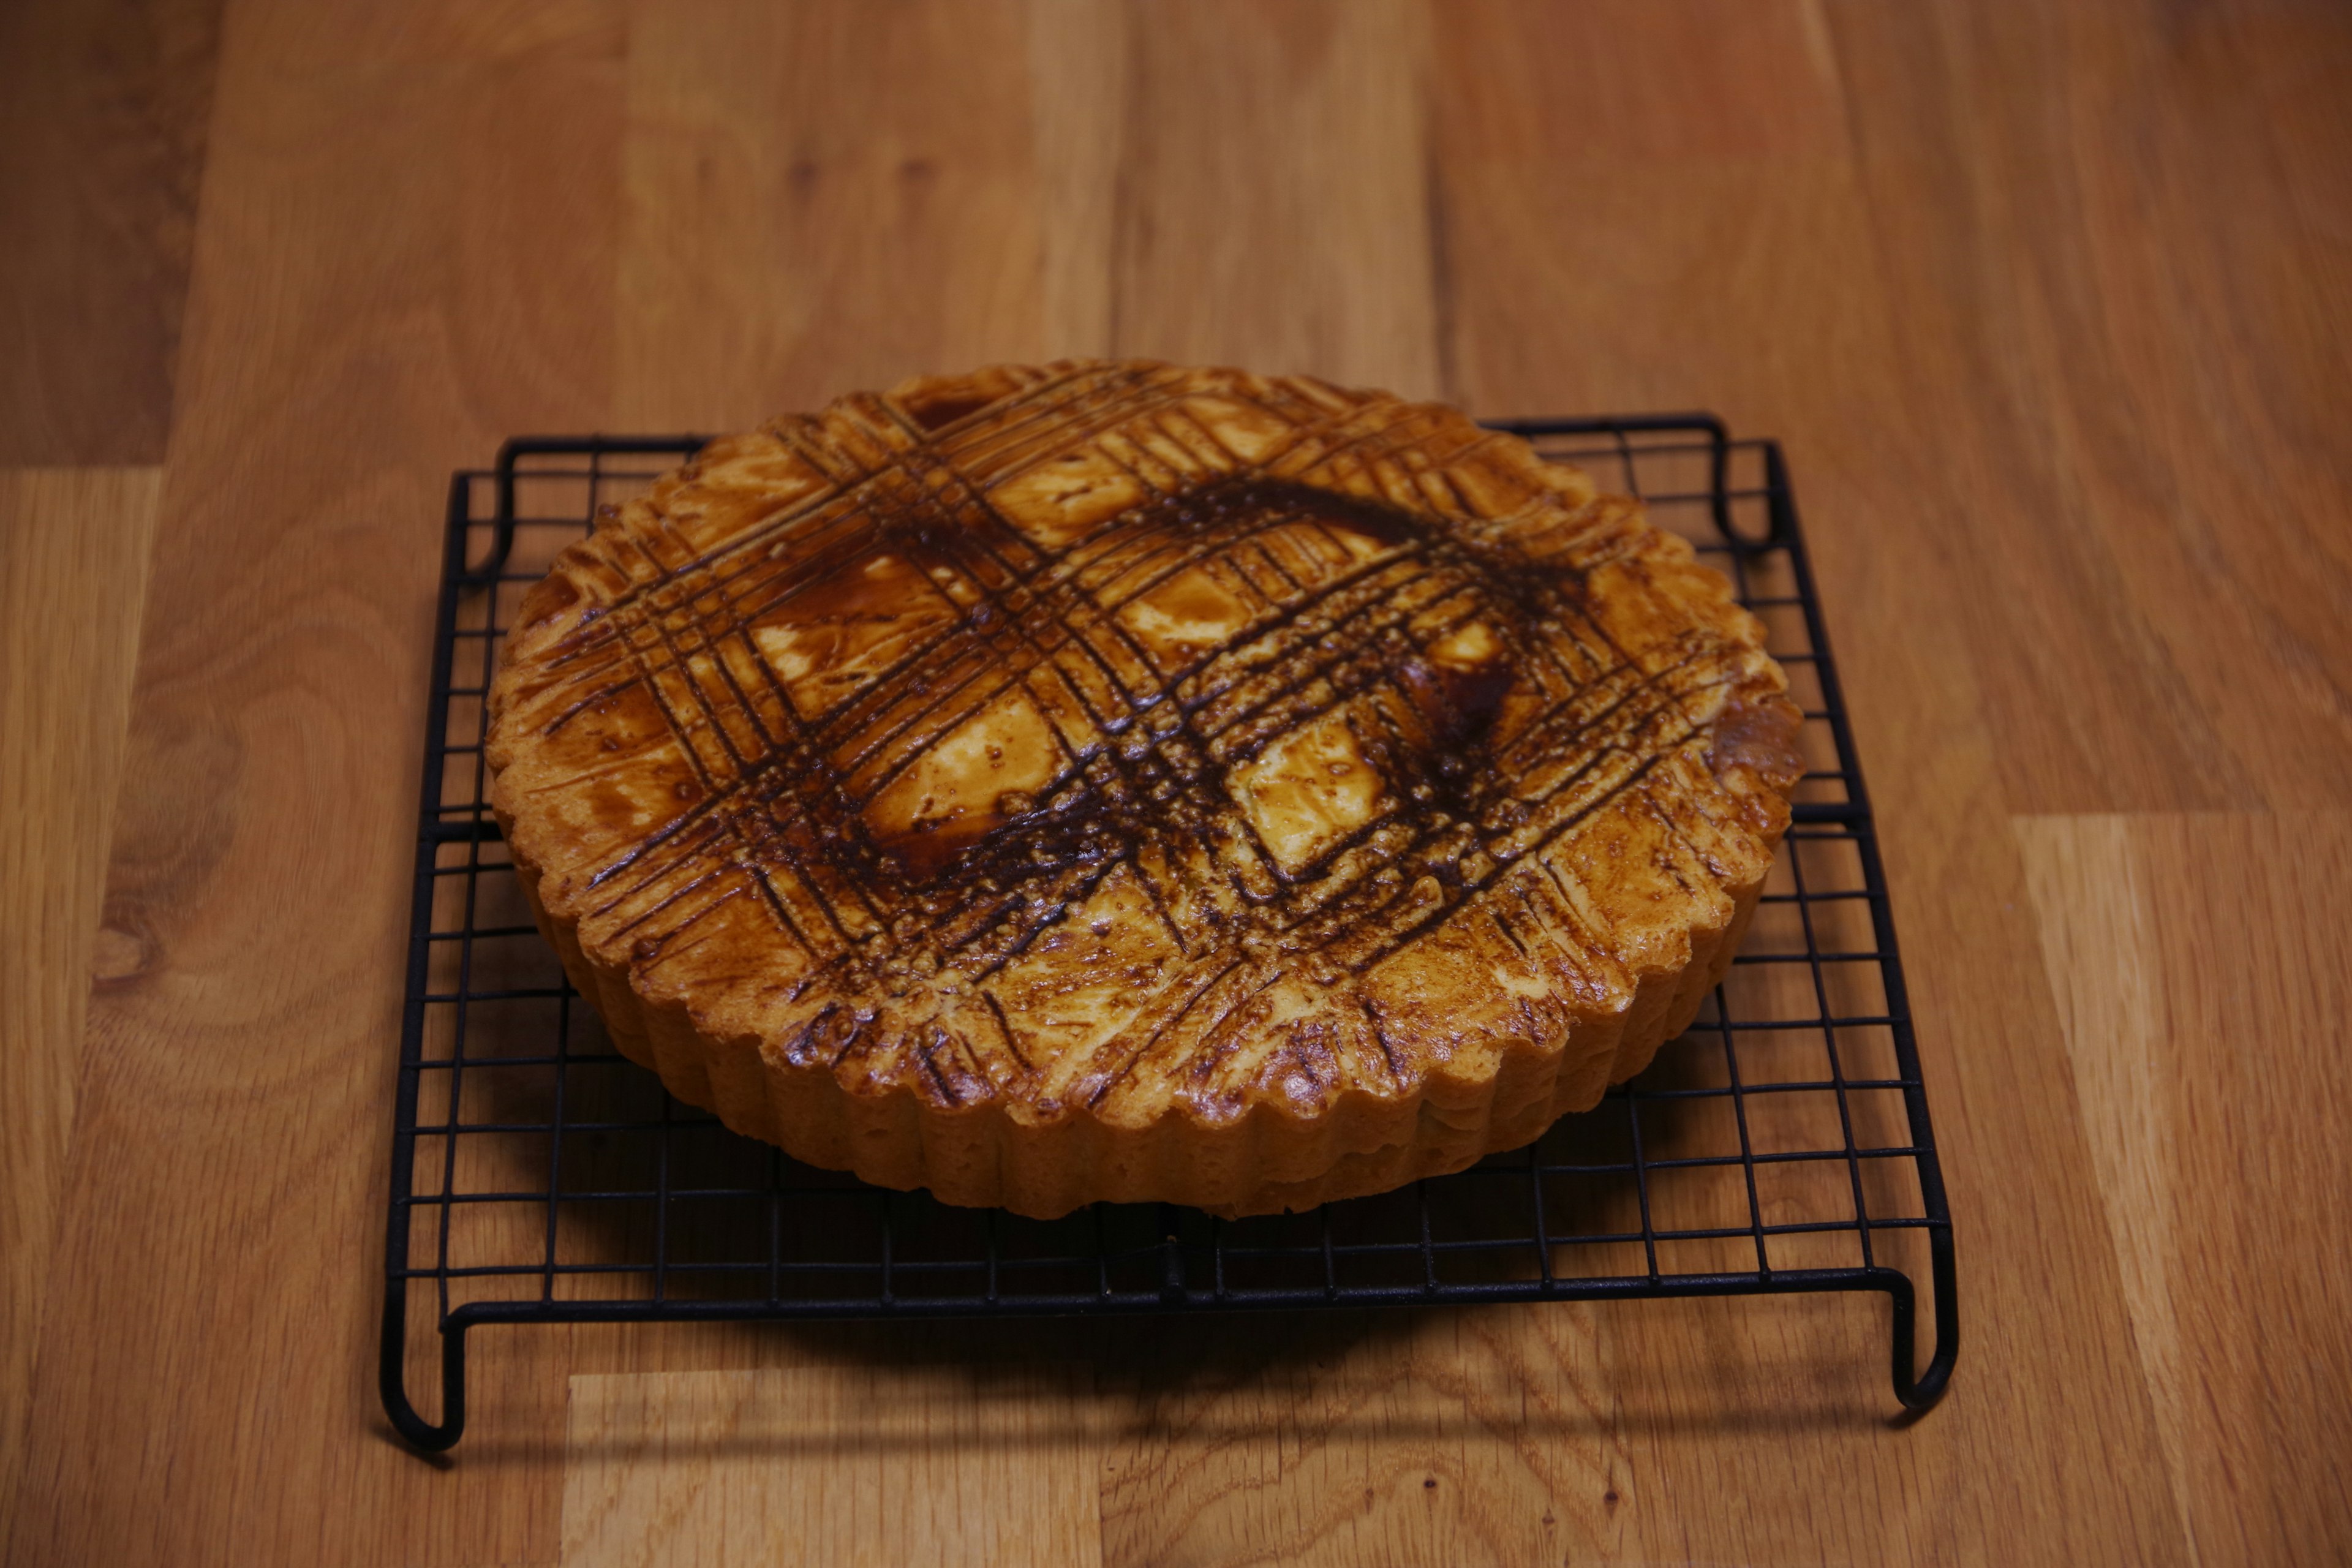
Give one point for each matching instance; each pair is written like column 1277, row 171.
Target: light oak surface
column 2051, row 304
column 832, row 1466
column 73, row 551
column 2171, row 939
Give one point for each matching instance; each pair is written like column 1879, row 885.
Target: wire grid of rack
column 1781, row 1146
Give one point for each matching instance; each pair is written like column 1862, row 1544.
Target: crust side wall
column 1264, row 1162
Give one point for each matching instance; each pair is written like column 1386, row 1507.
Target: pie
column 1119, row 781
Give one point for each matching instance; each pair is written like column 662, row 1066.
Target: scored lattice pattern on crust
column 1120, row 780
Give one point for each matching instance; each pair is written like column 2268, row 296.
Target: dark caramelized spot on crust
column 1759, row 733
column 937, row 413
column 1002, row 797
column 549, row 597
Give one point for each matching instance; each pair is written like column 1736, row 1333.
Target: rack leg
column 392, row 1379
column 1919, row 1394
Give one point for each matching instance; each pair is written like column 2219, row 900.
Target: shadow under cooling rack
column 1781, row 1146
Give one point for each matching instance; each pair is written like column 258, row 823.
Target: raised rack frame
column 1781, row 1146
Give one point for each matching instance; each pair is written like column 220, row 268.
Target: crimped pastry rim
column 685, row 1034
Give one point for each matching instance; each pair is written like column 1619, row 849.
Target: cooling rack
column 1781, row 1146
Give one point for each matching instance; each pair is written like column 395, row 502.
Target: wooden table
column 2049, row 302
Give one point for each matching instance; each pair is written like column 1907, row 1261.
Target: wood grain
column 204, row 1391
column 2161, row 625
column 2050, row 305
column 2180, row 947
column 73, row 559
column 821, row 197
column 103, row 111
column 1459, row 1437
column 1079, row 85
column 1680, row 264
column 852, row 1467
column 1274, row 192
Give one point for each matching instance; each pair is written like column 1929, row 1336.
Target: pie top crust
column 1118, row 740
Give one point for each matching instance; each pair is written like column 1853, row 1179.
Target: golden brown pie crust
column 1114, row 780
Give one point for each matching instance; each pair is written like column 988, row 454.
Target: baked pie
column 1116, row 780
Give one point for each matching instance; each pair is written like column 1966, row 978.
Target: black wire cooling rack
column 1781, row 1146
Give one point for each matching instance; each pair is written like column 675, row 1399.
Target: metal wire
column 561, row 1184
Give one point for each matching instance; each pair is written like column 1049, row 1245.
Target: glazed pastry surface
column 1114, row 780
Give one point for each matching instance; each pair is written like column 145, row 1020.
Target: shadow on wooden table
column 1545, row 1372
